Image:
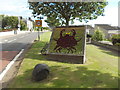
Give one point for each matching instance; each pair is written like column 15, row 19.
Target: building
column 89, row 29
column 30, row 24
column 107, row 29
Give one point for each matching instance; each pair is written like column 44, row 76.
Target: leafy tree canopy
column 23, row 25
column 52, row 22
column 10, row 21
column 63, row 12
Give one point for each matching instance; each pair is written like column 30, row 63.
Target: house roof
column 89, row 26
column 108, row 27
column 118, row 28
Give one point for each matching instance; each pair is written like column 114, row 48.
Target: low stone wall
column 112, row 47
column 66, row 58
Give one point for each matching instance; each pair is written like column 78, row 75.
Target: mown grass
column 100, row 70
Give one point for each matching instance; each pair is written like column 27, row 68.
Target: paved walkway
column 106, row 42
column 7, row 56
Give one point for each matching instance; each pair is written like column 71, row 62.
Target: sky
column 21, row 8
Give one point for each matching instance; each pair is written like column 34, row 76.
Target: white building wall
column 29, row 25
column 114, row 31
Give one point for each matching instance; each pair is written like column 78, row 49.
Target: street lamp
column 18, row 23
column 18, row 26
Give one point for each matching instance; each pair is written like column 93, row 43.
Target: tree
column 10, row 21
column 52, row 22
column 98, row 35
column 23, row 25
column 1, row 17
column 13, row 21
column 68, row 11
column 4, row 22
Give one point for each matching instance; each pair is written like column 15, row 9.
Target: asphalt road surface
column 18, row 42
column 12, row 45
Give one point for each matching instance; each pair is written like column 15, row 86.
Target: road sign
column 38, row 23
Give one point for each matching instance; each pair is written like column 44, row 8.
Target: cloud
column 111, row 17
column 15, row 7
column 21, row 8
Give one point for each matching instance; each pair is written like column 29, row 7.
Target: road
column 12, row 45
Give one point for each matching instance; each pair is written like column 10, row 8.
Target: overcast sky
column 21, row 8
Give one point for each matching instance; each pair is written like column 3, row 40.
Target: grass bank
column 100, row 70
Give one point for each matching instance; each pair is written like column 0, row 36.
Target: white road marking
column 6, row 40
column 10, row 64
column 22, row 36
column 11, row 40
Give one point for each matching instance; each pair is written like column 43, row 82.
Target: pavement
column 7, row 56
column 106, row 42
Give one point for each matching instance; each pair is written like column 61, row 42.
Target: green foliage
column 1, row 17
column 46, row 28
column 10, row 22
column 116, row 36
column 52, row 22
column 116, row 39
column 23, row 25
column 117, row 44
column 98, row 35
column 64, row 12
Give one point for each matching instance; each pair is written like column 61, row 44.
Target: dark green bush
column 115, row 39
column 117, row 44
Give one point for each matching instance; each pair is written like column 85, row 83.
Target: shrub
column 115, row 39
column 98, row 35
column 117, row 44
column 23, row 25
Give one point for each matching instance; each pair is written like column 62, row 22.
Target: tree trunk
column 67, row 22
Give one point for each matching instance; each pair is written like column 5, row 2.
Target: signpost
column 38, row 24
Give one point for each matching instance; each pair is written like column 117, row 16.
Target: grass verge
column 100, row 70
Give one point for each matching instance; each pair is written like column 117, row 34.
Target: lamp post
column 18, row 23
column 18, row 26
